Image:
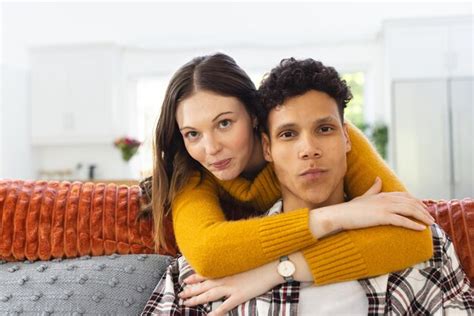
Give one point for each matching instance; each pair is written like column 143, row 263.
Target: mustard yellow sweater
column 216, row 247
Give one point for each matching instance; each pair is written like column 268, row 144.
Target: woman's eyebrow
column 223, row 113
column 213, row 120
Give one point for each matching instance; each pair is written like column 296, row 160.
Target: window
column 150, row 93
column 354, row 111
column 376, row 132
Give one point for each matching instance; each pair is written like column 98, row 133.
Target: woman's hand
column 236, row 289
column 371, row 209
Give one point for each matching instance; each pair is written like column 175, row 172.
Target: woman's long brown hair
column 172, row 165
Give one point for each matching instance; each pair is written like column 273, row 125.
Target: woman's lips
column 220, row 165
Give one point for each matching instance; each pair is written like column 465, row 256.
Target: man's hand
column 236, row 289
column 371, row 209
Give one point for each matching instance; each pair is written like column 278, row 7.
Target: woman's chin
column 225, row 175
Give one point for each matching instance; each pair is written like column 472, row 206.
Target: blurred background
column 82, row 81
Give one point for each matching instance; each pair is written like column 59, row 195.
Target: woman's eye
column 225, row 123
column 191, row 135
column 287, row 134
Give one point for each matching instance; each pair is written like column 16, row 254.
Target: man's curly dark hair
column 295, row 77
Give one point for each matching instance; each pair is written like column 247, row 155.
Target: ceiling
column 200, row 24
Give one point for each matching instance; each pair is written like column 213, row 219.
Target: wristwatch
column 286, row 269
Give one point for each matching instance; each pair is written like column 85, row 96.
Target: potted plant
column 128, row 147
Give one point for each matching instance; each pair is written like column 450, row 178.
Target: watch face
column 286, row 268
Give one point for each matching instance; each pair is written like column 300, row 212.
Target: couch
column 78, row 248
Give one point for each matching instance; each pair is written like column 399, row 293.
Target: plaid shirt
column 438, row 286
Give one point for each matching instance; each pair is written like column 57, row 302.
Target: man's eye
column 326, row 129
column 191, row 135
column 225, row 123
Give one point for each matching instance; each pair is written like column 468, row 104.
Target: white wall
column 84, row 81
column 1, row 124
column 1, row 100
column 109, row 164
column 15, row 144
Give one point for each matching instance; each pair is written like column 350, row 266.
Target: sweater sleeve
column 216, row 247
column 374, row 251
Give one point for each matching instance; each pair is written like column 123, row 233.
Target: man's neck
column 292, row 202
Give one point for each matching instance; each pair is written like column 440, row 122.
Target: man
column 305, row 137
column 306, row 140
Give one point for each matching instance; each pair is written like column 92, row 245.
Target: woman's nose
column 213, row 146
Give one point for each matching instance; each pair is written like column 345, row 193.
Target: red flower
column 128, row 146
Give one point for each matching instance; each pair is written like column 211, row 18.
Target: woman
column 208, row 153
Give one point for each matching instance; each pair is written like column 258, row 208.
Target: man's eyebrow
column 285, row 126
column 327, row 119
column 213, row 120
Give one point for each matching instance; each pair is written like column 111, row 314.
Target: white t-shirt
column 343, row 298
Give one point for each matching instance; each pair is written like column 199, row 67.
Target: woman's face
column 217, row 132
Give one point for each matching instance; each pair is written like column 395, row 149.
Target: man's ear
column 348, row 139
column 266, row 147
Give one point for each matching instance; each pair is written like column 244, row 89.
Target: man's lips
column 313, row 173
column 221, row 164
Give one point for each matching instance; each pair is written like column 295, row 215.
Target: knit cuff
column 276, row 229
column 335, row 259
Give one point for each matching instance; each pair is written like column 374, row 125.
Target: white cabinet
column 430, row 78
column 436, row 48
column 76, row 95
column 434, row 138
column 461, row 50
column 461, row 99
column 417, row 52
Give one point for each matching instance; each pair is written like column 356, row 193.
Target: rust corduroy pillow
column 52, row 219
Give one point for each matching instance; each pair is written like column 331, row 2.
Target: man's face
column 307, row 144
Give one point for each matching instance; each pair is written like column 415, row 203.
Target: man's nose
column 310, row 148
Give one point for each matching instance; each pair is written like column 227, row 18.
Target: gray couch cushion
column 102, row 285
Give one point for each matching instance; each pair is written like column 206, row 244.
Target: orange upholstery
column 456, row 217
column 45, row 220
